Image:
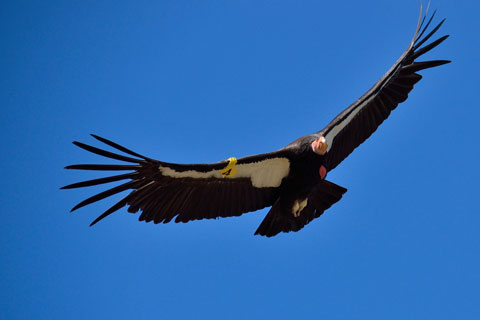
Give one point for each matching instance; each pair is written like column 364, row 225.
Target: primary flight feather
column 290, row 180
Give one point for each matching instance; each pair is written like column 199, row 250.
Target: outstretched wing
column 164, row 190
column 356, row 123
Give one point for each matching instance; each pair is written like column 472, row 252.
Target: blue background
column 201, row 81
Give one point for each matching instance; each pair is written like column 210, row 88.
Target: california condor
column 290, row 180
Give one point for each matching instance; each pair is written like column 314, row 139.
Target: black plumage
column 291, row 180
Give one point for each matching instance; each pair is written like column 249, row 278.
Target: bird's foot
column 298, row 206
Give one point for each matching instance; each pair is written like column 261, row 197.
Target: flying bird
column 290, row 180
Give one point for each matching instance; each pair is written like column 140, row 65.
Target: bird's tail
column 281, row 219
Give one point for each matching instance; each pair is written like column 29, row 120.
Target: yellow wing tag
column 229, row 171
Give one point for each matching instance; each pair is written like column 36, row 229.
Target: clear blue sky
column 201, row 81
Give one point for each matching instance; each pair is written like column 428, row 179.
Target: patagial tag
column 229, row 171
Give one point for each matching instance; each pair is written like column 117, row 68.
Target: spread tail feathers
column 281, row 219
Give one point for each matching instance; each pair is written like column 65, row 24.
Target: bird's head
column 320, row 146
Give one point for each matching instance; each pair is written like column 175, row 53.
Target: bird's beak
column 320, row 146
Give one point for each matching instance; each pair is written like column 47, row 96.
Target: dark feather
column 103, row 167
column 105, row 153
column 119, row 147
column 108, row 193
column 419, row 44
column 428, row 47
column 417, row 66
column 95, row 182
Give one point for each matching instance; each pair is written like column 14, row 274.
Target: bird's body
column 291, row 180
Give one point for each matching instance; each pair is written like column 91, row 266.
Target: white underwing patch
column 263, row 174
column 339, row 126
